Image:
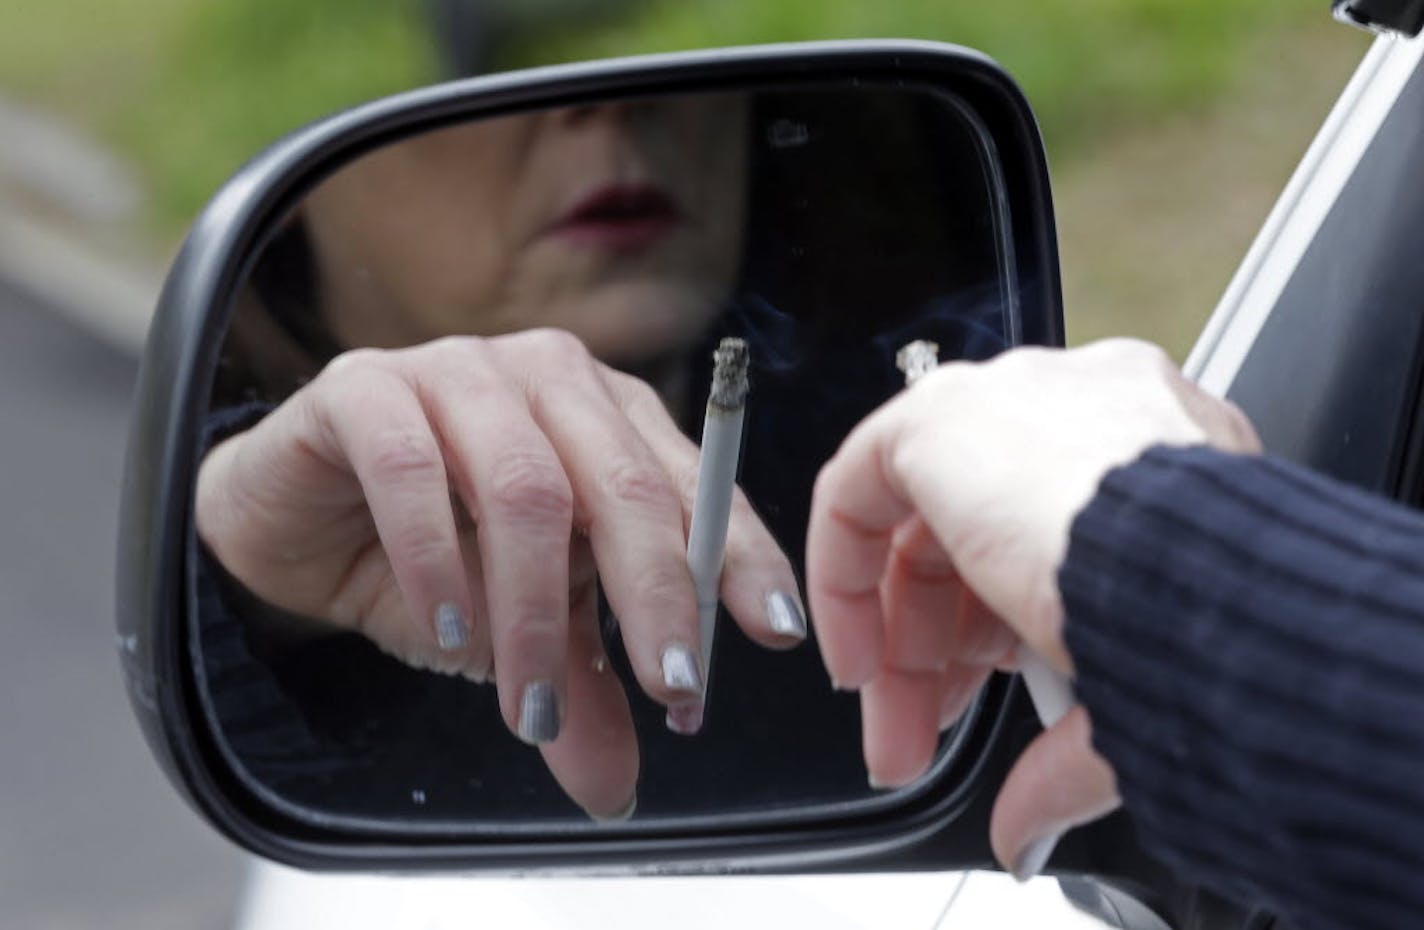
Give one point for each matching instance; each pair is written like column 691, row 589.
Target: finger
column 1059, row 782
column 1225, row 425
column 595, row 758
column 900, row 717
column 855, row 509
column 634, row 522
column 376, row 423
column 758, row 585
column 514, row 485
column 931, row 616
column 961, row 684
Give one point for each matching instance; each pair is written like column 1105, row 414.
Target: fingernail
column 625, row 814
column 451, row 631
column 685, row 719
column 539, row 713
column 1034, row 857
column 680, row 670
column 785, row 614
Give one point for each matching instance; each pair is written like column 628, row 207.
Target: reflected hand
column 935, row 539
column 461, row 502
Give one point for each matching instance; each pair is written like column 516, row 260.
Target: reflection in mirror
column 445, row 586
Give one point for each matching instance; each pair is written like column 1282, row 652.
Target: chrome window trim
column 1308, row 197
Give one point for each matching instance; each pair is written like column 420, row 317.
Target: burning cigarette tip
column 729, row 373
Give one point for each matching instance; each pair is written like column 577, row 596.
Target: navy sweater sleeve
column 1249, row 641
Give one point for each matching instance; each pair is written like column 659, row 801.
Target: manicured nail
column 625, row 814
column 539, row 713
column 1034, row 857
column 451, row 631
column 685, row 719
column 680, row 671
column 785, row 614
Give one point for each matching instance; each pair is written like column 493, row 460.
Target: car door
column 1318, row 337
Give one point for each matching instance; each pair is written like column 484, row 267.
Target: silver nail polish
column 451, row 631
column 785, row 614
column 539, row 713
column 680, row 671
column 685, row 719
column 1035, row 857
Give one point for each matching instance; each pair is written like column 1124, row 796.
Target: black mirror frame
column 935, row 830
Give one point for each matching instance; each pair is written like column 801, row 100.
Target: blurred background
column 1171, row 127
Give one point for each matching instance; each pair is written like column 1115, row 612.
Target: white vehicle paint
column 279, row 898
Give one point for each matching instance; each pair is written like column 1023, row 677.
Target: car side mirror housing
column 863, row 194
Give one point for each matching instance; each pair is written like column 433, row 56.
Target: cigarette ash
column 917, row 359
column 729, row 374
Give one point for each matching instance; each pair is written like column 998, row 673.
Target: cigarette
column 1050, row 692
column 716, row 481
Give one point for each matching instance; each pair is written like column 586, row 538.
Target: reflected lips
column 619, row 218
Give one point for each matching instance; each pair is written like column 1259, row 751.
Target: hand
column 936, row 535
column 461, row 502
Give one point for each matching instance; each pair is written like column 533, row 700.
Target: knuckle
column 641, row 392
column 354, row 360
column 402, row 456
column 558, row 346
column 422, row 544
column 636, row 395
column 641, row 485
column 352, row 371
column 459, row 344
column 448, row 352
column 1244, row 431
column 531, row 488
column 533, row 631
column 1149, row 356
column 666, row 591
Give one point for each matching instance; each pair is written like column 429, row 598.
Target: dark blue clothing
column 1249, row 643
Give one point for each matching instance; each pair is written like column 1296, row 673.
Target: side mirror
column 826, row 204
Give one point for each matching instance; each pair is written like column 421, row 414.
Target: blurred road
column 90, row 834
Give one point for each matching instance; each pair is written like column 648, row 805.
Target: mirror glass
column 826, row 226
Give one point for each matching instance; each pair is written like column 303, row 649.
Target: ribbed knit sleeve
column 1249, row 644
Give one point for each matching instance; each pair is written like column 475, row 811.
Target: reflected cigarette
column 716, row 482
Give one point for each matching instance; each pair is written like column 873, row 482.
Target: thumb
column 1059, row 782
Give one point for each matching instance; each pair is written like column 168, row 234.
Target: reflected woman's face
column 621, row 223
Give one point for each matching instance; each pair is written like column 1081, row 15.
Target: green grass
column 189, row 89
column 242, row 74
column 1086, row 65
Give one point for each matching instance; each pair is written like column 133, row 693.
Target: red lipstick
column 619, row 218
